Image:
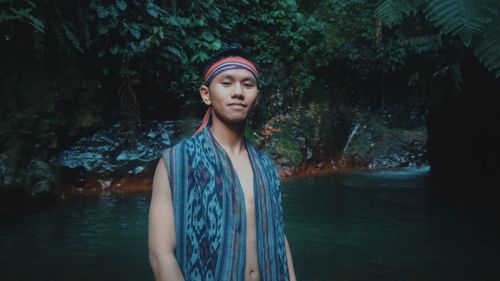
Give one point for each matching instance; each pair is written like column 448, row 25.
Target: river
column 347, row 226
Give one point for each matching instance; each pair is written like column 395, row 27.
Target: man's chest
column 244, row 171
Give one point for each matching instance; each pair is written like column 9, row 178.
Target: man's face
column 232, row 94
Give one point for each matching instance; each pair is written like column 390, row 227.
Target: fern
column 71, row 36
column 424, row 44
column 393, row 11
column 476, row 22
column 12, row 14
column 488, row 48
column 464, row 18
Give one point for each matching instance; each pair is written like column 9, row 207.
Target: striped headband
column 227, row 64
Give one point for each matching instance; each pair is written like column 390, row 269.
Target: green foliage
column 316, row 122
column 136, row 34
column 393, row 11
column 155, row 43
column 313, row 57
column 22, row 12
column 488, row 47
column 40, row 115
column 425, row 43
column 464, row 18
column 304, row 134
column 287, row 147
column 474, row 22
column 346, row 52
column 282, row 141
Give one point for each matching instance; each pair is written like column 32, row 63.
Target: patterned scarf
column 209, row 212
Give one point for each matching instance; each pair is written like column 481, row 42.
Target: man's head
column 231, row 85
column 229, row 51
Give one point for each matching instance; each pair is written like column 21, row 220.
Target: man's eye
column 248, row 85
column 225, row 83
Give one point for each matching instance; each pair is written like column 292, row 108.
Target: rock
column 110, row 151
column 285, row 171
column 377, row 146
column 39, row 179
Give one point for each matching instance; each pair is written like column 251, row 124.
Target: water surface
column 386, row 226
column 352, row 226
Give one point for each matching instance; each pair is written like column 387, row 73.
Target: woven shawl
column 209, row 212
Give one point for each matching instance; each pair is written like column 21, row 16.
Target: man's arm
column 290, row 261
column 161, row 230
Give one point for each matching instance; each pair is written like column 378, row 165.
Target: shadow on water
column 385, row 226
column 101, row 238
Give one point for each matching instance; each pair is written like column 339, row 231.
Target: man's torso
column 203, row 181
column 244, row 171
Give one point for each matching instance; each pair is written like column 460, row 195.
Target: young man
column 216, row 209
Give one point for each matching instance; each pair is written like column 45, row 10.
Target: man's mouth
column 237, row 104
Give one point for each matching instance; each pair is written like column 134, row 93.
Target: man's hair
column 230, row 50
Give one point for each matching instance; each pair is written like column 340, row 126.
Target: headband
column 221, row 66
column 227, row 64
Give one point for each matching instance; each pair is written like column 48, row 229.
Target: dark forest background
column 69, row 68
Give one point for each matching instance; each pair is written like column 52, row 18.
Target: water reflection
column 91, row 239
column 357, row 226
column 384, row 226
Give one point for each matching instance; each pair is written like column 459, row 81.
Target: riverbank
column 117, row 160
column 132, row 184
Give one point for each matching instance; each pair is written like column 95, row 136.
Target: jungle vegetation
column 69, row 65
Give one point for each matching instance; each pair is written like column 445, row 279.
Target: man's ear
column 205, row 95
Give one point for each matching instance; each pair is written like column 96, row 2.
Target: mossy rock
column 286, row 146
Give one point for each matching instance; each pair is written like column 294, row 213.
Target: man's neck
column 230, row 136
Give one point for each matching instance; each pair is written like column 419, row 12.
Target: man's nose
column 237, row 90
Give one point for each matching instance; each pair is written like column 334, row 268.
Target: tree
column 475, row 22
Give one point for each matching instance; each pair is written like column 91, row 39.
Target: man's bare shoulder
column 167, row 158
column 160, row 178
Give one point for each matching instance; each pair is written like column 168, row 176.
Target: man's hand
column 290, row 261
